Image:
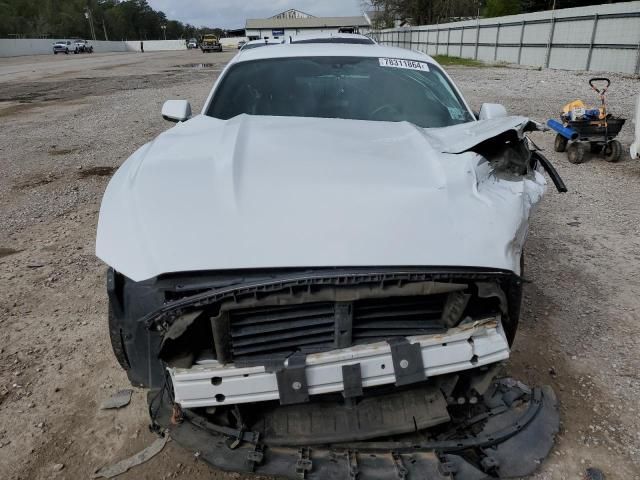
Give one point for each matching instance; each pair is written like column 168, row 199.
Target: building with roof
column 294, row 22
column 291, row 13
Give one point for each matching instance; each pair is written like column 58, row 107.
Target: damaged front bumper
column 403, row 386
column 505, row 433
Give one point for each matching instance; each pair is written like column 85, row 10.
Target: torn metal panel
column 465, row 136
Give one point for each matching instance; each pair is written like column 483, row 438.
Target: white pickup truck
column 63, row 46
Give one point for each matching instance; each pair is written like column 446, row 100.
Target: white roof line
column 330, row 49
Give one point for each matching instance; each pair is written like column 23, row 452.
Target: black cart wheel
column 576, row 152
column 560, row 145
column 613, row 151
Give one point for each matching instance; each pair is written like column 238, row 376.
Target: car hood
column 264, row 192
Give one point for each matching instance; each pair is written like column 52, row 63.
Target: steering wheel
column 383, row 108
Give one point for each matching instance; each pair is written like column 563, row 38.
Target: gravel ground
column 68, row 122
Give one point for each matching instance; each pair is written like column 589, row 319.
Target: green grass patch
column 464, row 62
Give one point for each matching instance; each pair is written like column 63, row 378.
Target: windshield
column 357, row 88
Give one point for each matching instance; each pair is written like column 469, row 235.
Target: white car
column 192, row 43
column 63, row 46
column 317, row 275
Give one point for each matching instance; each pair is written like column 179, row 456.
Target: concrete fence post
column 461, row 41
column 550, row 42
column 638, row 60
column 524, row 23
column 475, row 56
column 495, row 51
column 448, row 39
column 593, row 39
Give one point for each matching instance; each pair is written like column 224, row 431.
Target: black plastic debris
column 506, row 432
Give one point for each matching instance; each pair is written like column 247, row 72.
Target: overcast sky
column 233, row 13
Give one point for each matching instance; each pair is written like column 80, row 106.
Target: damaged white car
column 317, row 276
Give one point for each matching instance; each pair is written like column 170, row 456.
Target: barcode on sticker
column 400, row 63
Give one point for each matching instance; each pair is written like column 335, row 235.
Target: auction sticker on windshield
column 400, row 63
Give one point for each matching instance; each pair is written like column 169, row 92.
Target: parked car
column 192, row 43
column 210, row 43
column 323, row 271
column 82, row 46
column 63, row 46
column 241, row 44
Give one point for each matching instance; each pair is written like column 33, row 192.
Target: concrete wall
column 599, row 38
column 231, row 42
column 156, row 45
column 10, row 47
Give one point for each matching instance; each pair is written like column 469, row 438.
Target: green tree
column 499, row 8
column 115, row 19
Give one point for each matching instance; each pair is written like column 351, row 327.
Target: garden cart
column 596, row 127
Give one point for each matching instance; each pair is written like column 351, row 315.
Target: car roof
column 330, row 37
column 270, row 41
column 330, row 50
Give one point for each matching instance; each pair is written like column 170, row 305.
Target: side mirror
column 492, row 110
column 176, row 110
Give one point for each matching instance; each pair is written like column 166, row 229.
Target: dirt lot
column 68, row 122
